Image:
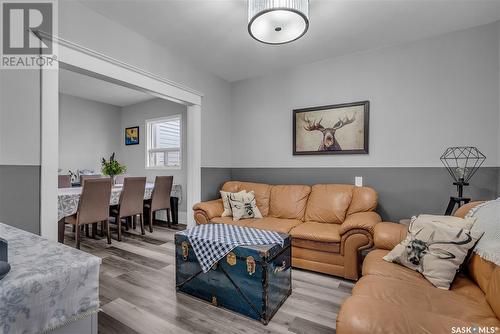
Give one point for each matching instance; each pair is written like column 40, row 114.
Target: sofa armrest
column 464, row 209
column 360, row 220
column 388, row 235
column 205, row 211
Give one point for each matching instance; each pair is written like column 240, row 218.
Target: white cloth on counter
column 49, row 284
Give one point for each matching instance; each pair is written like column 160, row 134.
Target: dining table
column 68, row 198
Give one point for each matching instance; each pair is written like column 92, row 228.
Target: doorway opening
column 93, row 69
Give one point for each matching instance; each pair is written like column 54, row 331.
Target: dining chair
column 130, row 203
column 93, row 207
column 160, row 199
column 64, row 181
column 89, row 177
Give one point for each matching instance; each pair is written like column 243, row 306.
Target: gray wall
column 212, row 180
column 498, row 183
column 83, row 26
column 424, row 96
column 20, row 197
column 403, row 192
column 20, row 149
column 88, row 131
column 134, row 156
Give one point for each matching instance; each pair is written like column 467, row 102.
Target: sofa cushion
column 328, row 203
column 266, row 223
column 317, row 232
column 364, row 315
column 288, row 201
column 262, row 192
column 493, row 292
column 465, row 286
column 231, row 186
column 480, row 271
column 363, row 199
column 374, row 264
column 424, row 298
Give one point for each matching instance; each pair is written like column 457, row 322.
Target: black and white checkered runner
column 211, row 242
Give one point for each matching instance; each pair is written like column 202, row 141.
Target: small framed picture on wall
column 334, row 129
column 132, row 135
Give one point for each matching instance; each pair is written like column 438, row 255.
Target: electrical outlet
column 358, row 181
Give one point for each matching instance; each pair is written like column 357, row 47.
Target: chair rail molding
column 80, row 59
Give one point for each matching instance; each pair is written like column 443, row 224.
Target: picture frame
column 132, row 135
column 332, row 129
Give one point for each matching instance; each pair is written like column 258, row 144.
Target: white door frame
column 84, row 60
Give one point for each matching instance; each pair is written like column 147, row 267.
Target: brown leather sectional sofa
column 329, row 223
column 390, row 298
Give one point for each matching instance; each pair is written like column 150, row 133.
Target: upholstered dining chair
column 93, row 207
column 64, row 181
column 160, row 199
column 89, row 177
column 130, row 204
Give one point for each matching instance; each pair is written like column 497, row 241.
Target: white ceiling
column 90, row 88
column 213, row 33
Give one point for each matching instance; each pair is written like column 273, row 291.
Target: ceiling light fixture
column 278, row 21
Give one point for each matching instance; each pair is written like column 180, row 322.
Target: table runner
column 211, row 242
column 68, row 198
column 48, row 286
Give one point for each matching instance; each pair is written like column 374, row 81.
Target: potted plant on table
column 112, row 167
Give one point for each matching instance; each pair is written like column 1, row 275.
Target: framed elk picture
column 335, row 129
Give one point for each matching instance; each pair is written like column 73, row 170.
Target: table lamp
column 462, row 162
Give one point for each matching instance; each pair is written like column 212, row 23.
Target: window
column 164, row 149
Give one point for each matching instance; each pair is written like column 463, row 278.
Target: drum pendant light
column 278, row 21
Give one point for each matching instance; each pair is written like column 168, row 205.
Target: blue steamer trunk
column 251, row 280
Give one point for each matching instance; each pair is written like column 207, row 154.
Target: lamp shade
column 278, row 21
column 462, row 162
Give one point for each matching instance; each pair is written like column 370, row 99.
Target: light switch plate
column 358, row 181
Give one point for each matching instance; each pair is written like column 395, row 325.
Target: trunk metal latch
column 250, row 265
column 231, row 259
column 185, row 250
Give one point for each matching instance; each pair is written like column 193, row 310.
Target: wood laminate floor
column 137, row 292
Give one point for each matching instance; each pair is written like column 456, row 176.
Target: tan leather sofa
column 390, row 298
column 329, row 223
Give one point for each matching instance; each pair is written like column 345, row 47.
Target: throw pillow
column 451, row 221
column 434, row 249
column 244, row 205
column 225, row 201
